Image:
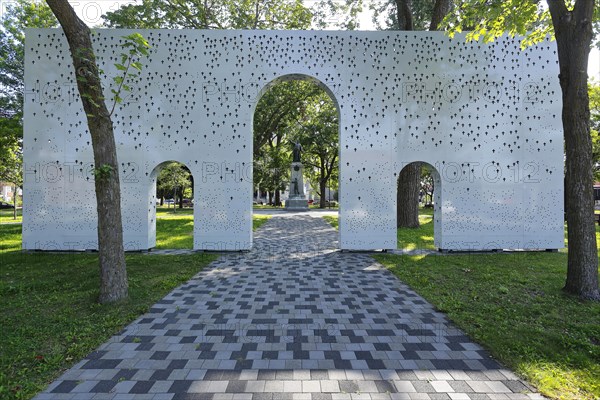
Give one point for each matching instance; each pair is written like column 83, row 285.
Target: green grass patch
column 175, row 230
column 418, row 238
column 49, row 315
column 169, row 212
column 259, row 220
column 333, row 220
column 7, row 216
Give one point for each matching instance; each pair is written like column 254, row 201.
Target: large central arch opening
column 299, row 112
column 296, row 108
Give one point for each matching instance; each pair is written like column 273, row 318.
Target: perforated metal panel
column 486, row 116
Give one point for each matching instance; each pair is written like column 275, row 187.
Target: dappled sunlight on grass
column 333, row 220
column 174, row 233
column 176, row 230
column 561, row 383
column 6, row 216
column 10, row 238
column 259, row 220
column 420, row 238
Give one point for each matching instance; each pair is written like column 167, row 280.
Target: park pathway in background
column 294, row 319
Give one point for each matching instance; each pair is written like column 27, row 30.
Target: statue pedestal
column 297, row 199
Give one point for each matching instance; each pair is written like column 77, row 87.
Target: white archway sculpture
column 486, row 116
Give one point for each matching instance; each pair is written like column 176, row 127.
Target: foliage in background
column 173, row 180
column 337, row 14
column 17, row 16
column 318, row 132
column 220, row 14
column 290, row 111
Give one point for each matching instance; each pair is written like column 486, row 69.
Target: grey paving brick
column 290, row 320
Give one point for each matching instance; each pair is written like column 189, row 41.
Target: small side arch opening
column 170, row 207
column 428, row 199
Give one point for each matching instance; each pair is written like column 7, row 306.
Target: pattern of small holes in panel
column 486, row 117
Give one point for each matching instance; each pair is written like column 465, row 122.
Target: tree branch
column 558, row 11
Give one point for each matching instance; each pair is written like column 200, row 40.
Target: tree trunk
column 277, row 197
column 573, row 30
column 113, row 274
column 404, row 15
column 15, row 203
column 408, row 197
column 440, row 9
column 181, row 199
column 322, row 186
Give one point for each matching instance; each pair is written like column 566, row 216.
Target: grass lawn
column 421, row 238
column 408, row 239
column 332, row 219
column 513, row 305
column 6, row 216
column 174, row 230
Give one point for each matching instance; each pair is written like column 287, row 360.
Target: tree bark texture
column 404, row 15
column 440, row 9
column 113, row 273
column 408, row 198
column 573, row 30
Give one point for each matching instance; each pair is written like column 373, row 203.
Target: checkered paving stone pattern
column 293, row 319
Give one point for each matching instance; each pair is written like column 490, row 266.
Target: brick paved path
column 293, row 319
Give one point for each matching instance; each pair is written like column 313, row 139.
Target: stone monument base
column 297, row 200
column 296, row 204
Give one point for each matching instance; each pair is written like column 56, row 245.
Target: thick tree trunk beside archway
column 407, row 214
column 113, row 275
column 573, row 31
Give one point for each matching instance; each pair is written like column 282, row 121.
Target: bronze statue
column 296, row 152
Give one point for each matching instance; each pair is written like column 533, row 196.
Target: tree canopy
column 214, row 14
